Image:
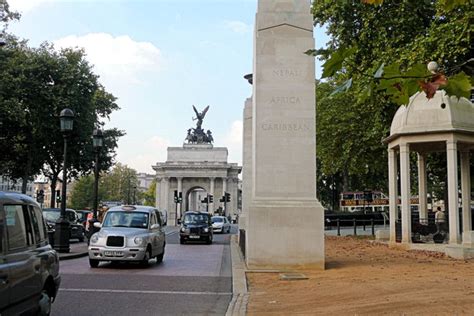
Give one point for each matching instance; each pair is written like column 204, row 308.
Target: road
column 193, row 279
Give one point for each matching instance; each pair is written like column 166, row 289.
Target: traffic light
column 180, row 197
column 176, row 199
column 204, row 200
column 227, row 197
column 211, row 198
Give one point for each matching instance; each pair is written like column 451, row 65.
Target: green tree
column 401, row 35
column 149, row 195
column 120, row 183
column 6, row 15
column 35, row 85
column 82, row 195
column 386, row 47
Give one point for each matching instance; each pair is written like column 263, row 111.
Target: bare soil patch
column 365, row 278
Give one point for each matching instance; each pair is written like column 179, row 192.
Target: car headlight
column 94, row 238
column 206, row 230
column 183, row 229
column 138, row 240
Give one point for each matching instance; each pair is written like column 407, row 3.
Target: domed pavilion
column 440, row 124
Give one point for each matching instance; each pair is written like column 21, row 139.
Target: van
column 29, row 267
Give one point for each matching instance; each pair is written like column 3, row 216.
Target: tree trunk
column 27, row 174
column 345, row 181
column 54, row 181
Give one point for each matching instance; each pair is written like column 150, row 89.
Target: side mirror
column 97, row 224
column 155, row 226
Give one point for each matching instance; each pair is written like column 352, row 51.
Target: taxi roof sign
column 128, row 208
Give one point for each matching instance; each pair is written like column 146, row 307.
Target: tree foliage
column 119, row 184
column 386, row 47
column 150, row 194
column 35, row 85
column 377, row 56
column 6, row 15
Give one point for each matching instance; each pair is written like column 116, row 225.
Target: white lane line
column 171, row 233
column 144, row 292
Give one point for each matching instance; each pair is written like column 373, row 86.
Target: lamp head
column 66, row 118
column 98, row 138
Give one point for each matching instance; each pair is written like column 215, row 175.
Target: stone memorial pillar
column 285, row 220
column 247, row 161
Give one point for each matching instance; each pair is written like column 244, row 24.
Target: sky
column 159, row 58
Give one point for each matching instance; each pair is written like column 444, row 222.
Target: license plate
column 113, row 253
column 194, row 237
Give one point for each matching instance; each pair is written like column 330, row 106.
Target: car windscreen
column 195, row 219
column 51, row 216
column 126, row 219
column 217, row 219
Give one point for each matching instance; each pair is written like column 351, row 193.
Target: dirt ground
column 364, row 278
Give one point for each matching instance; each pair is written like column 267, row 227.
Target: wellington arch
column 195, row 171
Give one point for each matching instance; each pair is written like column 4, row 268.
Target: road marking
column 144, row 292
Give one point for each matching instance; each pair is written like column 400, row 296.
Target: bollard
column 338, row 227
column 355, row 227
column 363, row 223
column 373, row 226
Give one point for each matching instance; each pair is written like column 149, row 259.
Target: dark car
column 196, row 226
column 76, row 230
column 29, row 267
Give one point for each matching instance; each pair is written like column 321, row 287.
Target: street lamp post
column 98, row 142
column 61, row 237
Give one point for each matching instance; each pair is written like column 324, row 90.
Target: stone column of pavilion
column 467, row 237
column 285, row 220
column 393, row 192
column 422, row 188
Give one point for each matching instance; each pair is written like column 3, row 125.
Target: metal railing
column 354, row 224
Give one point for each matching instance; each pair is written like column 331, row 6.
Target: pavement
column 240, row 295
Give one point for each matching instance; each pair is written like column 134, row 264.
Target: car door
column 24, row 265
column 4, row 270
column 162, row 235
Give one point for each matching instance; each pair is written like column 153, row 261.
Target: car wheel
column 44, row 303
column 93, row 263
column 159, row 258
column 146, row 258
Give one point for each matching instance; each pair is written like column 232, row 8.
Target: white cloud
column 233, row 141
column 153, row 150
column 238, row 27
column 118, row 60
